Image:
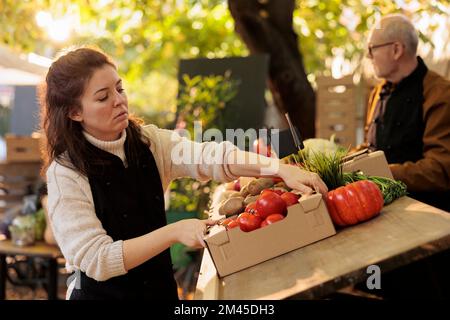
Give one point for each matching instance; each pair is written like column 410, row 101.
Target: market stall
column 319, row 245
column 405, row 231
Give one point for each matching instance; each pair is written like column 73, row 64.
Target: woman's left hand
column 304, row 181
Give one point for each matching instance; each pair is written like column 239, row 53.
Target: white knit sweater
column 79, row 233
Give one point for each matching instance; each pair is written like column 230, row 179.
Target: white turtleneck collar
column 115, row 147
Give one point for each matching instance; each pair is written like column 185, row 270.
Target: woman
column 106, row 176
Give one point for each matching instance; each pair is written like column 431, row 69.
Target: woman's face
column 104, row 105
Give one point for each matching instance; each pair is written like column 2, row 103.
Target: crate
column 337, row 109
column 22, row 148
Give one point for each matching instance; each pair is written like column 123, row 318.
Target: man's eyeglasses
column 371, row 47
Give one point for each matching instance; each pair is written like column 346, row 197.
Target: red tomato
column 270, row 203
column 232, row 224
column 226, row 221
column 260, row 147
column 272, row 219
column 277, row 191
column 250, row 208
column 290, row 198
column 354, row 203
column 229, row 223
column 266, row 191
column 248, row 222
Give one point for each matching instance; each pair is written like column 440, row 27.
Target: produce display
column 262, row 218
column 346, row 197
column 259, row 203
column 353, row 197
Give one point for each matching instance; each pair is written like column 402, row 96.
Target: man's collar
column 415, row 76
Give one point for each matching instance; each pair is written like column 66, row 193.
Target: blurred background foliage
column 204, row 98
column 148, row 37
column 200, row 98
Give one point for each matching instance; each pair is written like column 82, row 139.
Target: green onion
column 326, row 165
column 329, row 167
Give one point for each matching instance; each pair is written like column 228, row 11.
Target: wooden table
column 40, row 249
column 405, row 231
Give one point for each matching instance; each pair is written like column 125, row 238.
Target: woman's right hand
column 190, row 232
column 304, row 181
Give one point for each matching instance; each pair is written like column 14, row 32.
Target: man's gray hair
column 397, row 27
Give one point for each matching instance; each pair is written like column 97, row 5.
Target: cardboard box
column 370, row 163
column 233, row 250
column 22, row 149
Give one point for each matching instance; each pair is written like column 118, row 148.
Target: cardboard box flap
column 217, row 235
column 370, row 163
column 356, row 155
column 310, row 203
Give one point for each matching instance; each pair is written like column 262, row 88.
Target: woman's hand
column 304, row 181
column 190, row 232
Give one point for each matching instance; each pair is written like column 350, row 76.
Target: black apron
column 129, row 202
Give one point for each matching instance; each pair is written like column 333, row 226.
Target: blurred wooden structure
column 337, row 112
column 22, row 148
column 17, row 179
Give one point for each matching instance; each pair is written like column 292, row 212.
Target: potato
column 246, row 180
column 281, row 184
column 232, row 206
column 244, row 190
column 235, row 195
column 256, row 186
column 229, row 186
column 249, row 199
column 226, row 194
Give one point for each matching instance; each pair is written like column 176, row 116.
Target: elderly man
column 409, row 119
column 409, row 113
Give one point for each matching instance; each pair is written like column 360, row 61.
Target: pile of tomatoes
column 270, row 207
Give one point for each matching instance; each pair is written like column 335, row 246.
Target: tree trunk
column 266, row 26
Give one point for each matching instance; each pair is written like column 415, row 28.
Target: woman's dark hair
column 41, row 192
column 60, row 95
